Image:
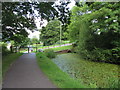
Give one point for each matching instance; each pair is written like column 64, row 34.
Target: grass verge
column 8, row 60
column 57, row 76
column 62, row 48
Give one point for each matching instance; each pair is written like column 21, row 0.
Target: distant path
column 58, row 46
column 68, row 44
column 25, row 73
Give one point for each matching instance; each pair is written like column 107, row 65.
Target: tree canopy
column 95, row 28
column 34, row 40
column 18, row 17
column 51, row 33
column 15, row 20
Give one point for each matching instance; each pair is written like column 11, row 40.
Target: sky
column 37, row 20
column 36, row 33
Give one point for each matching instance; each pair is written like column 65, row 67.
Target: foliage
column 15, row 19
column 19, row 16
column 63, row 16
column 50, row 53
column 51, row 33
column 20, row 41
column 5, row 51
column 34, row 40
column 56, row 75
column 95, row 29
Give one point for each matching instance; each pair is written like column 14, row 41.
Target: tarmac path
column 25, row 73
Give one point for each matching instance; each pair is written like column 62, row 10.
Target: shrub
column 116, row 54
column 5, row 51
column 101, row 55
column 50, row 53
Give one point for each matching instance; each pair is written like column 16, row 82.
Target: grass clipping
column 57, row 76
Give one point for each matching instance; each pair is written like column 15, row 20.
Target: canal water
column 93, row 74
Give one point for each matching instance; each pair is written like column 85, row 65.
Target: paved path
column 25, row 73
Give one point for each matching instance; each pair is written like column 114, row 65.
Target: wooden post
column 11, row 49
column 28, row 49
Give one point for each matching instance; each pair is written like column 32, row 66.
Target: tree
column 51, row 33
column 34, row 40
column 15, row 19
column 18, row 42
column 95, row 28
column 64, row 17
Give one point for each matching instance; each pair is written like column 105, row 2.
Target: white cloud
column 71, row 4
column 33, row 34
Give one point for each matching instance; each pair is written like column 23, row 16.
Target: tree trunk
column 11, row 49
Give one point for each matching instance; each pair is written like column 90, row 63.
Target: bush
column 101, row 55
column 116, row 54
column 50, row 53
column 5, row 51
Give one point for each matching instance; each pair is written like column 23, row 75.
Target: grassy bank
column 58, row 48
column 48, row 47
column 57, row 76
column 62, row 48
column 8, row 60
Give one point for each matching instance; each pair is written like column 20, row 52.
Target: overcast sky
column 36, row 33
